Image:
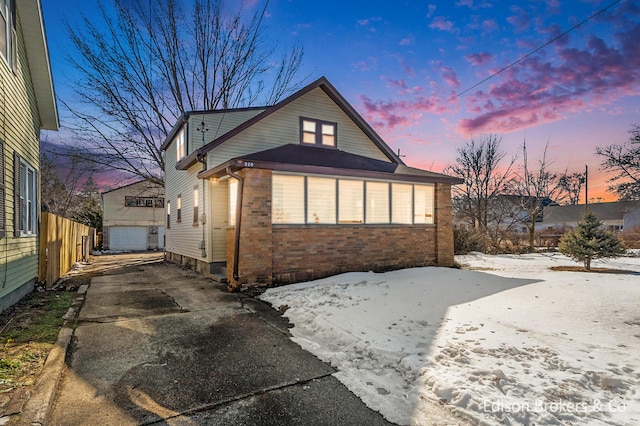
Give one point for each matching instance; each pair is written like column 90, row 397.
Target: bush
column 467, row 240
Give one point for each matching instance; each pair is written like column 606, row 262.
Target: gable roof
column 318, row 160
column 321, row 83
column 151, row 186
column 603, row 211
column 35, row 41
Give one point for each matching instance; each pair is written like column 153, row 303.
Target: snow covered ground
column 508, row 342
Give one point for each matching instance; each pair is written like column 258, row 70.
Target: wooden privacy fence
column 63, row 242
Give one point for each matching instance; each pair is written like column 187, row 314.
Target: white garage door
column 128, row 238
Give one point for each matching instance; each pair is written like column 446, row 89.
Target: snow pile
column 510, row 342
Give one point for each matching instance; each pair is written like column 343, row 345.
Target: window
column 350, row 201
column 287, row 199
column 401, row 203
column 168, row 214
column 377, row 202
column 8, row 32
column 3, row 221
column 423, row 196
column 181, row 148
column 318, row 132
column 179, row 209
column 195, row 206
column 321, row 200
column 233, row 200
column 328, row 200
column 130, row 201
column 26, row 203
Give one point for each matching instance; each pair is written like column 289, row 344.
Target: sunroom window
column 350, row 201
column 401, row 203
column 377, row 202
column 288, row 199
column 321, row 200
column 423, row 211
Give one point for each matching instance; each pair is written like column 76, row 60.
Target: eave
column 35, row 40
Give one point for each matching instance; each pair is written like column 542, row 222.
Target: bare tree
column 532, row 191
column 624, row 161
column 62, row 177
column 478, row 163
column 145, row 62
column 571, row 184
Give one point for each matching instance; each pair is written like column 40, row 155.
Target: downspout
column 236, row 249
column 202, row 158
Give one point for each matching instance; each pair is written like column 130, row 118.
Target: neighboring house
column 615, row 216
column 299, row 190
column 27, row 105
column 133, row 217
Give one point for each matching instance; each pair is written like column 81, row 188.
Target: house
column 615, row 216
column 27, row 106
column 295, row 191
column 133, row 217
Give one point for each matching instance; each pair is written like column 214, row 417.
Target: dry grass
column 593, row 270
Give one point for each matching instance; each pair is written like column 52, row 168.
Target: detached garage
column 133, row 217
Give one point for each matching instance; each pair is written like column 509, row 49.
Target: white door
column 128, row 238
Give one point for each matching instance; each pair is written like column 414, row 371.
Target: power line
column 535, row 51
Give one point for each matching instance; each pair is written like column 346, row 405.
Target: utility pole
column 586, row 186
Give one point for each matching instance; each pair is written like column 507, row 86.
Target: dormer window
column 318, row 132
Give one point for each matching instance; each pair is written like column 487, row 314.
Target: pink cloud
column 479, row 58
column 450, row 77
column 440, row 23
column 407, row 41
column 520, row 19
column 576, row 79
column 390, row 114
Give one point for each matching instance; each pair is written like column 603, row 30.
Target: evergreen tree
column 590, row 241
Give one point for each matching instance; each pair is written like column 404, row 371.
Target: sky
column 430, row 76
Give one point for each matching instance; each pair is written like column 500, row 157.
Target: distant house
column 298, row 190
column 615, row 216
column 28, row 106
column 133, row 217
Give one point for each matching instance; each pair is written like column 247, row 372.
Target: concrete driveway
column 156, row 344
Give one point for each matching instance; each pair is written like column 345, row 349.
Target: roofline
column 185, row 117
column 239, row 163
column 331, row 91
column 130, row 184
column 35, row 40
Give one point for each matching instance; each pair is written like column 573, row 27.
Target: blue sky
column 402, row 63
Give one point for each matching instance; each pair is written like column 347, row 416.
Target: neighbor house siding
column 117, row 213
column 283, row 127
column 20, row 130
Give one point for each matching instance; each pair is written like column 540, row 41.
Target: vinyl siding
column 183, row 238
column 20, row 130
column 216, row 124
column 283, row 127
column 117, row 214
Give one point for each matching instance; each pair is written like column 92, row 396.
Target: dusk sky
column 410, row 67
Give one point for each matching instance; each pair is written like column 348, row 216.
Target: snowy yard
column 509, row 342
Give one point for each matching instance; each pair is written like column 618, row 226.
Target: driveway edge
column 37, row 408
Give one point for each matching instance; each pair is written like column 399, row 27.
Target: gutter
column 236, row 249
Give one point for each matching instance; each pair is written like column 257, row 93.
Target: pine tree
column 590, row 241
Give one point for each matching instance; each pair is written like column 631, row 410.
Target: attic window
column 318, row 132
column 181, row 149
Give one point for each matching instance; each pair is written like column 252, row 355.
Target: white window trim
column 28, row 201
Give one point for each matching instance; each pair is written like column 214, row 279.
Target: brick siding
column 282, row 254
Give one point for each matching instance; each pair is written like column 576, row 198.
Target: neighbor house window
column 321, row 200
column 26, row 208
column 8, row 32
column 423, row 209
column 318, row 132
column 179, row 209
column 130, row 201
column 168, row 214
column 195, row 206
column 287, row 199
column 377, row 210
column 350, row 201
column 181, row 146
